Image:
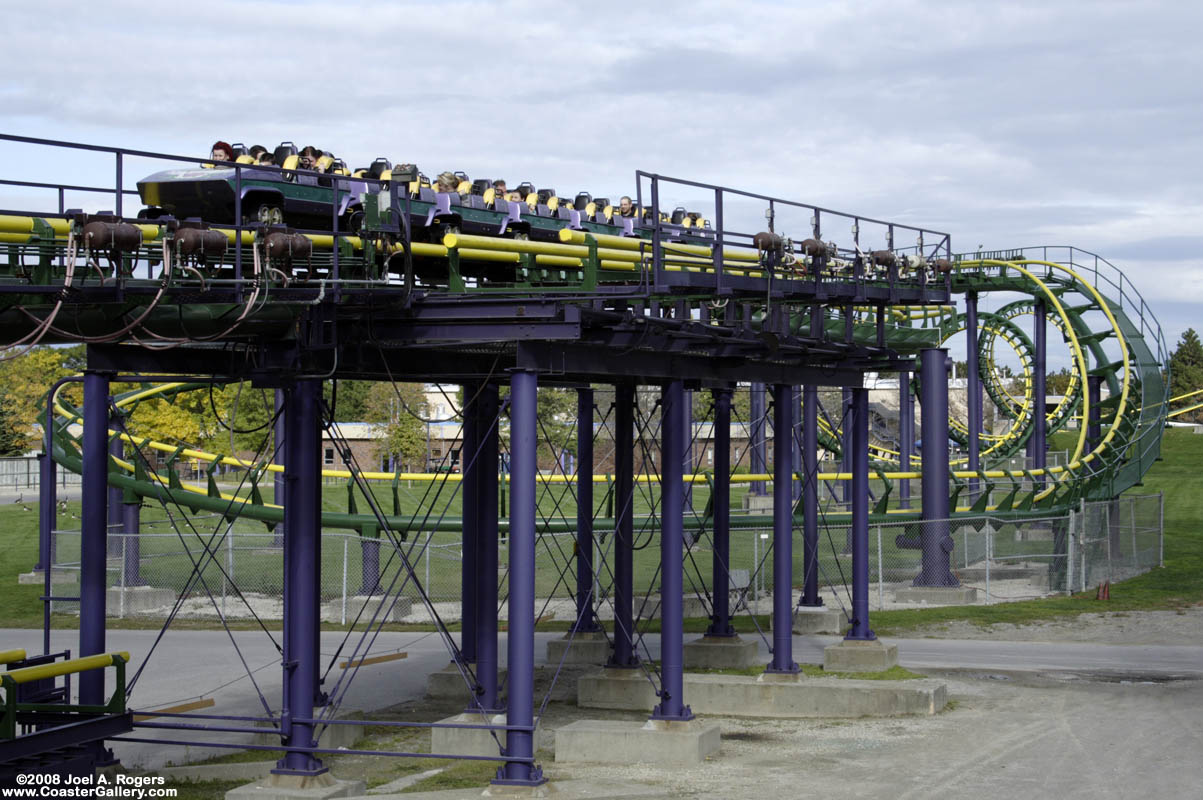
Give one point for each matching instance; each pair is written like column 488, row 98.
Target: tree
column 397, row 411
column 11, row 438
column 24, row 382
column 1186, row 372
column 1057, row 383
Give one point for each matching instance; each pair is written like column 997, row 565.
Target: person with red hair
column 222, row 151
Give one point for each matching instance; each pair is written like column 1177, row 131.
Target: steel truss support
column 302, row 572
column 720, row 619
column 93, row 548
column 934, row 540
column 757, row 447
column 524, row 434
column 810, row 497
column 586, row 619
column 783, row 531
column 624, row 527
column 858, row 424
column 906, row 435
column 973, row 385
column 487, row 409
column 672, row 551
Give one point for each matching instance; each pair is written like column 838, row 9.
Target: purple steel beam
column 302, row 529
column 796, row 404
column 973, row 384
column 672, row 543
column 1039, row 438
column 93, row 551
column 934, row 540
column 783, row 531
column 845, row 444
column 487, row 407
column 47, row 505
column 687, row 449
column 758, row 446
column 720, row 620
column 906, row 435
column 624, row 527
column 131, row 548
column 859, row 424
column 810, row 497
column 520, row 742
column 585, row 618
column 469, row 490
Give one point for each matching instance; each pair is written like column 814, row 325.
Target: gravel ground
column 1118, row 627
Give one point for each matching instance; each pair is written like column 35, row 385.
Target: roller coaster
column 286, row 278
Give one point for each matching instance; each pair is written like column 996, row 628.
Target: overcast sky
column 1009, row 125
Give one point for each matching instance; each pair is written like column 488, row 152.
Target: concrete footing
column 38, row 577
column 448, row 683
column 819, row 619
column 720, row 652
column 395, row 608
column 242, row 771
column 578, row 789
column 584, row 648
column 620, row 742
column 122, row 601
column 769, row 695
column 937, row 595
column 333, row 736
column 476, row 741
column 297, row 787
column 853, row 655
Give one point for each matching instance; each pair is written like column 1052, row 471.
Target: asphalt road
column 189, row 664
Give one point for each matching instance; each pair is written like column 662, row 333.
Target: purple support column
column 810, row 497
column 93, row 551
column 1094, row 415
column 720, row 620
column 586, row 620
column 624, row 527
column 796, row 404
column 845, row 444
column 758, row 445
column 859, row 424
column 486, row 547
column 906, row 436
column 280, row 434
column 131, row 548
column 934, row 540
column 687, row 449
column 783, row 531
column 1039, row 373
column 520, row 741
column 672, row 543
column 116, row 450
column 302, row 529
column 973, row 386
column 469, row 490
column 47, row 506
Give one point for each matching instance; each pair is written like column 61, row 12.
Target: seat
column 678, row 215
column 479, row 186
column 379, row 167
column 513, row 213
column 525, row 188
column 582, row 200
column 283, row 151
column 545, row 195
column 442, row 205
column 426, row 194
column 239, row 150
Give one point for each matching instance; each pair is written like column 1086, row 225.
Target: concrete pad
column 297, row 787
column 621, row 742
column 38, row 577
column 692, row 605
column 819, row 619
column 852, row 655
column 250, row 770
column 584, row 648
column 593, row 789
column 622, row 689
column 937, row 595
column 448, row 683
column 137, row 600
column 333, row 736
column 395, row 608
column 792, row 696
column 758, row 502
column 476, row 741
column 720, row 652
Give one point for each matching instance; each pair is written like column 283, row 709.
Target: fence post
column 344, row 611
column 987, row 568
column 881, row 601
column 121, row 601
column 1069, row 567
column 1132, row 520
column 429, row 535
column 1161, row 530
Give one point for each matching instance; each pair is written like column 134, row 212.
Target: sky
column 1005, row 125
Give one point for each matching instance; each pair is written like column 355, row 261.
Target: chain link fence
column 234, row 571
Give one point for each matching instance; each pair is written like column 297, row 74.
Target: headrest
column 525, row 188
column 678, row 215
column 546, row 194
column 582, row 200
column 602, row 202
column 378, row 167
column 479, row 185
column 282, row 152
